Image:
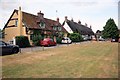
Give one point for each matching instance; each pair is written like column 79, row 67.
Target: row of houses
column 23, row 23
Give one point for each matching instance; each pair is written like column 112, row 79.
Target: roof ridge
column 50, row 19
column 26, row 12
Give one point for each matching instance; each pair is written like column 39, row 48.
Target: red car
column 47, row 42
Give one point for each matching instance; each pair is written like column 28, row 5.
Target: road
column 29, row 49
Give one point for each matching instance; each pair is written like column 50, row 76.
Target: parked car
column 101, row 39
column 47, row 42
column 114, row 40
column 85, row 38
column 93, row 38
column 66, row 40
column 8, row 48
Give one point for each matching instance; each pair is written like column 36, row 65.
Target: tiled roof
column 30, row 21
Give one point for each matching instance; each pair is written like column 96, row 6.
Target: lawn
column 86, row 60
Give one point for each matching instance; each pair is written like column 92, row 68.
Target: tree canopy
column 110, row 29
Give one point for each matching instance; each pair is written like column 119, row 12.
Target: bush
column 75, row 37
column 36, row 39
column 58, row 39
column 22, row 41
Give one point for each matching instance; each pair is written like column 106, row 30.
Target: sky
column 92, row 12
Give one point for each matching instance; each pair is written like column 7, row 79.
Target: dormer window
column 59, row 28
column 42, row 24
column 54, row 27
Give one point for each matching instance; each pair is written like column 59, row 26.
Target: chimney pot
column 19, row 7
column 72, row 20
column 66, row 18
column 40, row 15
column 90, row 27
column 79, row 22
column 86, row 24
column 58, row 20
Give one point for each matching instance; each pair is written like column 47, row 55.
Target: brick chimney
column 20, row 21
column 79, row 22
column 72, row 20
column 66, row 18
column 90, row 27
column 86, row 24
column 40, row 15
column 57, row 20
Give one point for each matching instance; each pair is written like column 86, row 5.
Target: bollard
column 31, row 49
column 19, row 50
column 43, row 48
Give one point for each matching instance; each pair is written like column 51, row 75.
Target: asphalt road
column 36, row 48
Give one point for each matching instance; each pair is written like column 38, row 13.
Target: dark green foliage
column 22, row 41
column 110, row 29
column 75, row 37
column 58, row 39
column 36, row 37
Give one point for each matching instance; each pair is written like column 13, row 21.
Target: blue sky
column 92, row 12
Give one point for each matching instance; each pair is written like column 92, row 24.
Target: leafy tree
column 110, row 29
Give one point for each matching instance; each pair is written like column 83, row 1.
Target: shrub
column 22, row 41
column 58, row 39
column 36, row 39
column 75, row 37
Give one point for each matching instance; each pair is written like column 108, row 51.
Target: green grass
column 91, row 60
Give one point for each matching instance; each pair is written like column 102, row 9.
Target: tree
column 110, row 29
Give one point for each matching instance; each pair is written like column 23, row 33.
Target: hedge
column 75, row 37
column 22, row 41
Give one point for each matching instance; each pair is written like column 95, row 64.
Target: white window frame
column 16, row 22
column 42, row 26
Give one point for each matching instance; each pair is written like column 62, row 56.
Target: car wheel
column 15, row 50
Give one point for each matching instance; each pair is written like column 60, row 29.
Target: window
column 42, row 24
column 31, row 37
column 2, row 34
column 16, row 22
column 2, row 43
column 54, row 28
column 59, row 28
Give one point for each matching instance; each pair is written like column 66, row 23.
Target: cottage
column 23, row 23
column 72, row 27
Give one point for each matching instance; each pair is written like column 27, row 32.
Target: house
column 98, row 35
column 23, row 23
column 72, row 27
